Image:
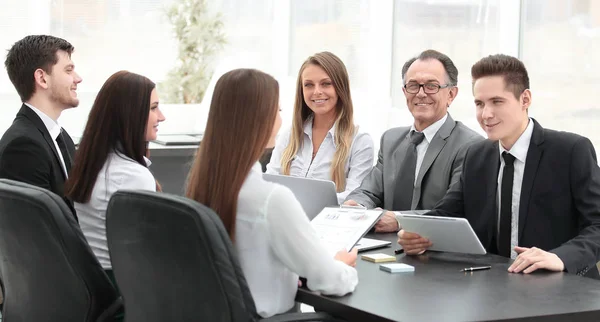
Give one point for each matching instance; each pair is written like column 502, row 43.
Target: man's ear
column 41, row 78
column 452, row 94
column 526, row 99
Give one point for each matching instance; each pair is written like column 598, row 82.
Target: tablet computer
column 448, row 234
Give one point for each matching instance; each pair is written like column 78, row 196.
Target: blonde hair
column 344, row 123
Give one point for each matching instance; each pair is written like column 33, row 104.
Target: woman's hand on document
column 347, row 257
column 412, row 243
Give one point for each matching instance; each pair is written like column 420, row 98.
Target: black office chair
column 173, row 261
column 48, row 270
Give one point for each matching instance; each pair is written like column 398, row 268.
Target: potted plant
column 200, row 35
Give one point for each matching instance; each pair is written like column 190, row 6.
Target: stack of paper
column 397, row 268
column 378, row 258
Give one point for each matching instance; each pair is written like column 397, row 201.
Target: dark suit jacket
column 441, row 166
column 28, row 154
column 559, row 208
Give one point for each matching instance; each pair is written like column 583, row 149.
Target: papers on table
column 340, row 228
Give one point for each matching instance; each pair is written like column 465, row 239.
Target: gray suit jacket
column 442, row 166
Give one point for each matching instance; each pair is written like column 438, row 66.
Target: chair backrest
column 48, row 270
column 173, row 260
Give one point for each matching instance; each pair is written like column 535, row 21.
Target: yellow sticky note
column 378, row 258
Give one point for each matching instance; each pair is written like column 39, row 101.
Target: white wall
column 556, row 39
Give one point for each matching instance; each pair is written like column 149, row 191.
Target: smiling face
column 499, row 113
column 318, row 91
column 154, row 118
column 428, row 108
column 62, row 82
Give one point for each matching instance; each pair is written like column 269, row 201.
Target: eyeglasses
column 428, row 88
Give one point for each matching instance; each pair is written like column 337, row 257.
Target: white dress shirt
column 119, row 172
column 519, row 151
column 358, row 165
column 276, row 243
column 429, row 132
column 54, row 130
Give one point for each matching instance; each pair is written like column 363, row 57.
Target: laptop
column 178, row 139
column 313, row 194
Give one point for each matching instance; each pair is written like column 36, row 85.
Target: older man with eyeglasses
column 417, row 164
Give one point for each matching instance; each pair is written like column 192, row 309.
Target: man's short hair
column 510, row 68
column 449, row 67
column 29, row 54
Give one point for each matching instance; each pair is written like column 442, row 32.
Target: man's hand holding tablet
column 413, row 243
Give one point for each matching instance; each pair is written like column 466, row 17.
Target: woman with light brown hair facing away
column 323, row 142
column 273, row 237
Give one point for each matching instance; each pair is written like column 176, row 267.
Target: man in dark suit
column 35, row 149
column 529, row 193
column 417, row 164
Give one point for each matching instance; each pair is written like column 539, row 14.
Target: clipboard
column 343, row 227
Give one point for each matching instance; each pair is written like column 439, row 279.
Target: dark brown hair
column 510, row 68
column 29, row 54
column 117, row 122
column 449, row 67
column 344, row 124
column 240, row 122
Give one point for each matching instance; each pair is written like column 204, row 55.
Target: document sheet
column 340, row 228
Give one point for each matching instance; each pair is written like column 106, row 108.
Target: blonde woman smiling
column 323, row 142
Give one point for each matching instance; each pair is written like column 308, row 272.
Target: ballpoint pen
column 399, row 251
column 476, row 268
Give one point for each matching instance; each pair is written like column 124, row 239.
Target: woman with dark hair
column 112, row 153
column 273, row 237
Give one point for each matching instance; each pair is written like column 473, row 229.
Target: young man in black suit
column 35, row 149
column 529, row 193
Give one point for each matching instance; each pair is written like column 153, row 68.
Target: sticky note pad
column 378, row 258
column 397, row 268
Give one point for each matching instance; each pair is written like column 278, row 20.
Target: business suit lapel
column 435, row 147
column 534, row 154
column 39, row 124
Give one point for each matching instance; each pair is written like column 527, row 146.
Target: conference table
column 438, row 291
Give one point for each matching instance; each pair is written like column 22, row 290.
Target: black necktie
column 405, row 181
column 63, row 150
column 506, row 205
